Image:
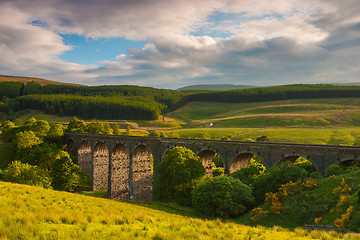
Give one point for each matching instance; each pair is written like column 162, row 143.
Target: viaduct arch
column 126, row 165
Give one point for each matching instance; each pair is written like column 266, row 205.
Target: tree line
column 145, row 103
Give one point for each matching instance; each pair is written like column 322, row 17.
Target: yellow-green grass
column 7, row 151
column 300, row 113
column 23, row 115
column 28, row 212
column 4, row 78
column 336, row 135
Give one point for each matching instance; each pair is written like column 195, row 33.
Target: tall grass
column 28, row 212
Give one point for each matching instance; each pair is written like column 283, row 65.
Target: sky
column 175, row 43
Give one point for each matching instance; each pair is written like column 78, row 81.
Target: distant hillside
column 214, row 87
column 42, row 82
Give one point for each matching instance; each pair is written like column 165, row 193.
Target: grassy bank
column 34, row 213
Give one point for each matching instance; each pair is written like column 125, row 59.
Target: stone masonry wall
column 142, row 179
column 120, row 174
column 101, row 167
column 84, row 158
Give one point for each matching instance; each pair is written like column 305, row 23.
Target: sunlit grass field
column 28, row 212
column 287, row 113
column 337, row 135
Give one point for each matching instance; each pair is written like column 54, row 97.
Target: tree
column 222, row 197
column 24, row 173
column 76, row 125
column 178, row 175
column 55, row 133
column 67, row 175
column 7, row 125
column 26, row 140
column 40, row 128
column 116, row 129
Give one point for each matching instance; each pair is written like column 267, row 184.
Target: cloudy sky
column 174, row 43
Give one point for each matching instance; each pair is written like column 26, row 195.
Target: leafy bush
column 334, row 169
column 272, row 179
column 67, row 175
column 217, row 171
column 24, row 173
column 178, row 175
column 247, row 175
column 222, row 197
column 305, row 164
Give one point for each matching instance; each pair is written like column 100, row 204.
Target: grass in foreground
column 28, row 212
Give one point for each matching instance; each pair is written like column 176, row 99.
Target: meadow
column 28, row 212
column 285, row 113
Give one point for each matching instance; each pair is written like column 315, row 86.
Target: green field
column 287, row 113
column 335, row 136
column 28, row 212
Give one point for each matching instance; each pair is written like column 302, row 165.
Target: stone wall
column 84, row 158
column 141, row 177
column 120, row 173
column 100, row 167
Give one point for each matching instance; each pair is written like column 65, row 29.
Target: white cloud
column 261, row 42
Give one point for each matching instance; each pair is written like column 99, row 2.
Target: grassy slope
column 314, row 203
column 294, row 113
column 4, row 78
column 28, row 212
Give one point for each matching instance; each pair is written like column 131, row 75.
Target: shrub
column 24, row 173
column 178, row 175
column 334, row 169
column 222, row 197
column 247, row 175
column 272, row 179
column 67, row 175
column 305, row 164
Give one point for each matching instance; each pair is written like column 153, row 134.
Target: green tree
column 55, row 133
column 30, row 122
column 178, row 175
column 40, row 128
column 248, row 174
column 7, row 125
column 67, row 175
column 26, row 140
column 24, row 173
column 222, row 197
column 116, row 129
column 76, row 125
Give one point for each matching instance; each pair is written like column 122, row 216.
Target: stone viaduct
column 126, row 165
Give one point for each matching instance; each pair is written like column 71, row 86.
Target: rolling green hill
column 28, row 212
column 285, row 113
column 214, row 87
column 42, row 82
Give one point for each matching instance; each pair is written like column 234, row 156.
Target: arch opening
column 207, row 157
column 142, row 162
column 100, row 167
column 350, row 163
column 242, row 160
column 84, row 157
column 119, row 182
